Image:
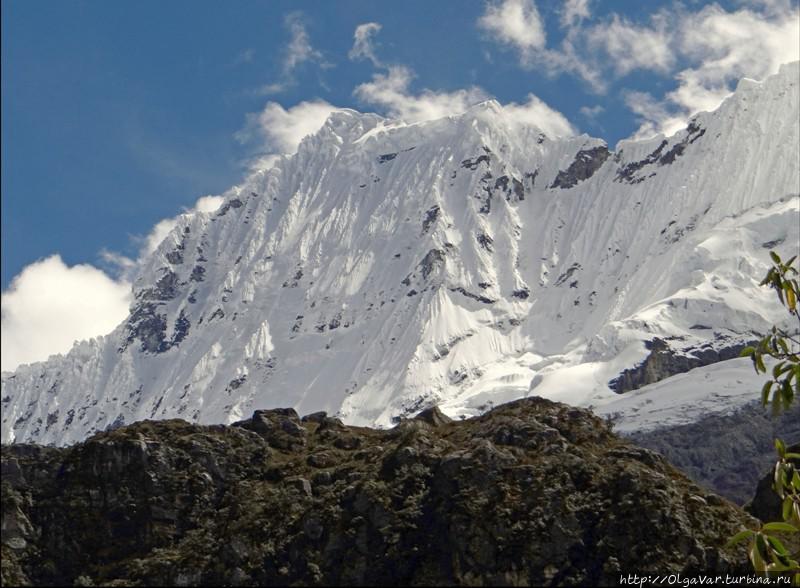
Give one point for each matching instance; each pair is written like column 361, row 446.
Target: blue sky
column 117, row 115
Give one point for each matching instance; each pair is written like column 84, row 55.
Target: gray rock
column 528, row 493
column 433, row 416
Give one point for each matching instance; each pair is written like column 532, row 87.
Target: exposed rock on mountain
column 531, row 493
column 586, row 163
column 664, row 361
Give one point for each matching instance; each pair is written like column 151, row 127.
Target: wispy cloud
column 299, row 51
column 391, row 92
column 516, row 23
column 721, row 48
column 574, row 11
column 277, row 131
column 519, row 25
column 703, row 51
column 536, row 113
column 363, row 43
column 628, row 46
column 591, row 113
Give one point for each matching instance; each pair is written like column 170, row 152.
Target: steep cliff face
column 664, row 361
column 531, row 493
column 387, row 267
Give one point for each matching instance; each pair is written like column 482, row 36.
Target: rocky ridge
column 531, row 493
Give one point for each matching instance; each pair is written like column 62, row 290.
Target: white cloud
column 731, row 45
column 535, row 112
column 654, row 115
column 516, row 23
column 158, row 234
column 569, row 59
column 631, row 47
column 721, row 47
column 262, row 162
column 208, row 203
column 49, row 305
column 299, row 49
column 391, row 92
column 282, row 129
column 277, row 131
column 592, row 112
column 574, row 12
column 273, row 88
column 363, row 47
column 116, row 264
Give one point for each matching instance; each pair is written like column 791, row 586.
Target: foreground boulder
column 532, row 492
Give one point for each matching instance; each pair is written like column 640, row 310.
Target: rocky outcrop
column 531, row 493
column 586, row 163
column 727, row 453
column 665, row 361
column 766, row 505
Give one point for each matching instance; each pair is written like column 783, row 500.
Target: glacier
column 464, row 262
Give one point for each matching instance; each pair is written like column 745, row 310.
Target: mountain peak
column 388, row 267
column 487, row 106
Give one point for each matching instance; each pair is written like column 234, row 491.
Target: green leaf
column 791, row 298
column 757, row 553
column 776, row 283
column 740, row 536
column 774, row 257
column 765, row 392
column 778, row 546
column 778, row 527
column 780, row 447
column 776, row 402
column 778, row 478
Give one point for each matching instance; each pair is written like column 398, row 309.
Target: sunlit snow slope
column 465, row 261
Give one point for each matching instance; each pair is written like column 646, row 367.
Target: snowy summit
column 466, row 261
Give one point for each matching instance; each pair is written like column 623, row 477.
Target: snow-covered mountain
column 465, row 261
